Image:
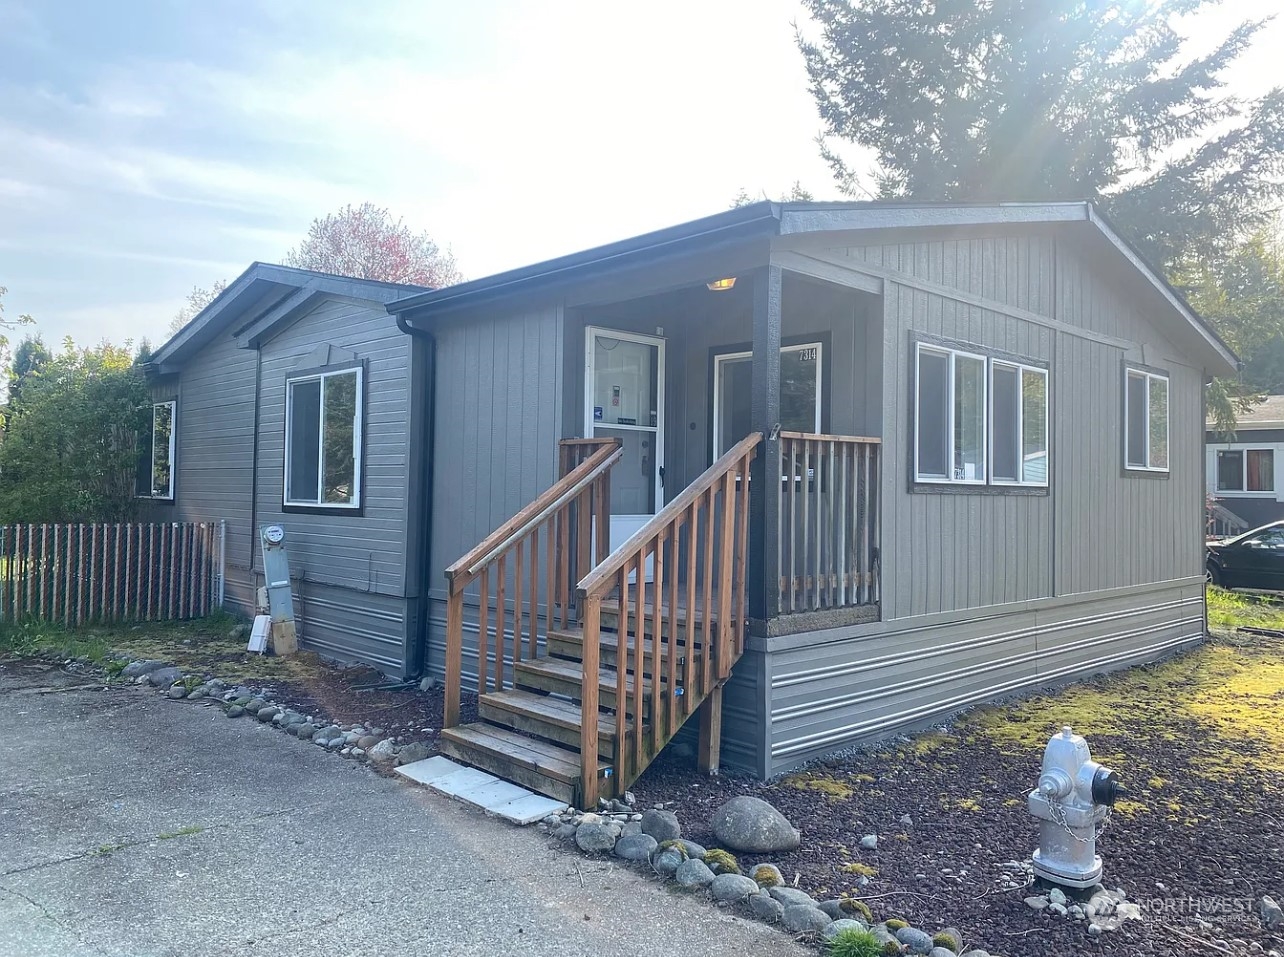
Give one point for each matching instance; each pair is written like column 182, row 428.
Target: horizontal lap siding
column 497, row 422
column 352, row 567
column 907, row 674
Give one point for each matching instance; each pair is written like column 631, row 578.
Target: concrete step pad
column 493, row 795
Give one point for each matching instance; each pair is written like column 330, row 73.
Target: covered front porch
column 718, row 478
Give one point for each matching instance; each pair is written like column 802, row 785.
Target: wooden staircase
column 616, row 668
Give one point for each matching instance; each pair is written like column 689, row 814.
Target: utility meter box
column 276, row 576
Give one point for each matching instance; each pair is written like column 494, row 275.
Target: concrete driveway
column 136, row 826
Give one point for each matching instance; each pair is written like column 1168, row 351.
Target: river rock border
column 652, row 839
column 365, row 742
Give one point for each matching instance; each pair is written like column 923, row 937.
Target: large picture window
column 156, row 455
column 323, row 439
column 1145, row 421
column 1246, row 470
column 979, row 419
column 800, row 391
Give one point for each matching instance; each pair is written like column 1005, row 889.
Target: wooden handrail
column 850, row 439
column 602, row 577
column 537, row 511
column 560, row 521
column 706, row 528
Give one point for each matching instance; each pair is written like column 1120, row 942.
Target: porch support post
column 764, row 490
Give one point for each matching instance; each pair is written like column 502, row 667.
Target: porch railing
column 827, row 531
column 571, row 452
column 562, row 521
column 704, row 530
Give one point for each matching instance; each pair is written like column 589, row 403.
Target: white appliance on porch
column 624, row 399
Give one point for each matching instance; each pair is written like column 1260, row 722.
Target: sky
column 149, row 146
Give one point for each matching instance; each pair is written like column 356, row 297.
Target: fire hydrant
column 1072, row 802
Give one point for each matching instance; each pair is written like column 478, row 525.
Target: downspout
column 254, row 472
column 423, row 545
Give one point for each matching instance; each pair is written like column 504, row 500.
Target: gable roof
column 767, row 220
column 263, row 299
column 1267, row 414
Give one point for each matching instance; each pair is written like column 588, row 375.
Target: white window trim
column 951, row 354
column 172, row 404
column 1129, row 372
column 1244, row 491
column 358, row 429
column 1021, row 370
column 723, row 357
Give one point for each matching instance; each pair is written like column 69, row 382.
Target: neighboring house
column 867, row 464
column 293, row 399
column 1242, row 473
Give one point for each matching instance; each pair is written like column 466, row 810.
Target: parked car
column 1252, row 560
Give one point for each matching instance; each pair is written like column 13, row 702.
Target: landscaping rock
column 428, row 683
column 842, row 924
column 834, row 908
column 729, row 888
column 413, row 752
column 304, row 731
column 592, row 838
column 668, row 861
column 767, row 875
column 177, row 692
column 661, row 825
column 790, row 896
column 804, row 918
column 636, row 847
column 693, row 849
column 750, row 824
column 941, row 952
column 766, row 908
column 164, row 677
column 869, row 842
column 1036, row 903
column 634, row 827
column 268, row 713
column 366, row 742
column 235, row 711
column 383, row 752
column 565, row 832
column 137, row 669
column 1272, row 916
column 694, row 873
column 198, row 692
column 1057, row 896
column 915, row 940
column 982, row 953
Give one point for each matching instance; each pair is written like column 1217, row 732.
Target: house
column 1241, row 473
column 805, row 473
column 293, row 399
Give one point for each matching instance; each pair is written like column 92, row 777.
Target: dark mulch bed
column 966, row 799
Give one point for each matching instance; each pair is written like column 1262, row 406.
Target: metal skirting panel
column 352, row 626
column 880, row 680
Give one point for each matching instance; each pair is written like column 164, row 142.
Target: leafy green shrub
column 853, row 943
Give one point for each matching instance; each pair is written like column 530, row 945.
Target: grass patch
column 181, row 832
column 1228, row 610
column 832, row 788
column 31, row 638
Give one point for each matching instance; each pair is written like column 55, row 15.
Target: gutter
column 418, row 663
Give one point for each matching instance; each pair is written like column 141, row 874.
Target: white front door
column 624, row 399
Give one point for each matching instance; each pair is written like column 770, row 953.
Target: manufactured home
column 803, row 473
column 1241, row 469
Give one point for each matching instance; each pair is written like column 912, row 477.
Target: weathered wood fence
column 74, row 574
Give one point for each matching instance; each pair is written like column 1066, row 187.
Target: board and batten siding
column 498, row 417
column 987, row 594
column 214, row 455
column 349, row 570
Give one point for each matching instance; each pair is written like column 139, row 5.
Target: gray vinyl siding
column 498, row 417
column 351, row 568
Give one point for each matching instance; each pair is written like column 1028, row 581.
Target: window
column 1146, row 421
column 156, row 454
column 1019, row 424
column 1246, row 470
column 800, row 385
column 323, row 439
column 950, row 425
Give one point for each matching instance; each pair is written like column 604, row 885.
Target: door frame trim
column 591, row 331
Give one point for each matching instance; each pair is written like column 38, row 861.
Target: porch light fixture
column 721, row 285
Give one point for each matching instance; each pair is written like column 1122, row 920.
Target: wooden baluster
column 483, row 630
column 602, row 513
column 532, row 648
column 621, row 666
column 589, row 700
column 454, row 653
column 519, row 556
column 584, row 533
column 550, row 572
column 693, row 573
column 742, row 555
column 834, row 531
column 639, row 619
column 709, row 657
column 657, row 645
column 671, row 640
column 563, row 557
column 792, row 484
column 501, row 617
column 726, row 564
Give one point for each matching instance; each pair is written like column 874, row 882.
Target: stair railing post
column 589, row 701
column 454, row 653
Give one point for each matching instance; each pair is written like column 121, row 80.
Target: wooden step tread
column 564, row 669
column 510, row 747
column 554, row 710
column 611, row 606
column 608, row 640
